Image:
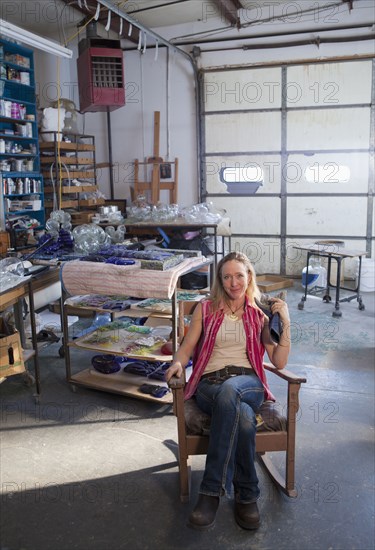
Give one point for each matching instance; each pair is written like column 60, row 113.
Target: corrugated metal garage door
column 288, row 152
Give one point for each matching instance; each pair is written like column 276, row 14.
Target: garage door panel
column 238, row 132
column 329, row 84
column 320, row 216
column 239, row 89
column 267, row 165
column 322, row 172
column 253, row 215
column 329, row 129
column 263, row 253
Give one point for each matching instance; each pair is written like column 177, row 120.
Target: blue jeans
column 232, row 405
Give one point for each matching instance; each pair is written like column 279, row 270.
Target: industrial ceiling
column 201, row 23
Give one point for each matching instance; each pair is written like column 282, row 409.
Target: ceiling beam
column 228, row 9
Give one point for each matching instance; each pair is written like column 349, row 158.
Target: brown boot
column 204, row 513
column 247, row 515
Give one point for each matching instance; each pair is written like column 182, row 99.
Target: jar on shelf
column 29, row 129
column 15, row 110
column 19, row 186
column 18, row 165
column 9, row 186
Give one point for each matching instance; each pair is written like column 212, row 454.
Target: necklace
column 233, row 316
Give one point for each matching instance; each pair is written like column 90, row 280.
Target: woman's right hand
column 186, row 349
column 174, row 370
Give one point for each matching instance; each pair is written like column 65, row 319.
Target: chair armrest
column 285, row 374
column 177, row 386
column 176, row 383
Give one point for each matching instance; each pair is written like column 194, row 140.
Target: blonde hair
column 218, row 294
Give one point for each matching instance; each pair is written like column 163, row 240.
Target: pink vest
column 253, row 321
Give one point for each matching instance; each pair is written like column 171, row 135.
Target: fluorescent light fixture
column 35, row 41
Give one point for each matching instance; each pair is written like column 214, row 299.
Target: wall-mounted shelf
column 22, row 202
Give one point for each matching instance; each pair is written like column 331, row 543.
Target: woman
column 228, row 335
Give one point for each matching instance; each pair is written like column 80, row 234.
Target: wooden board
column 11, row 296
column 120, row 340
column 267, row 283
column 72, row 189
column 81, row 217
column 89, row 174
column 67, row 160
column 120, row 382
column 91, row 202
column 4, row 242
column 66, row 146
column 63, row 204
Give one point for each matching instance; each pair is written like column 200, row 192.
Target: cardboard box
column 80, row 218
column 14, row 206
column 11, row 355
column 91, row 202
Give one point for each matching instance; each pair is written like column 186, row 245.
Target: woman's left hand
column 280, row 307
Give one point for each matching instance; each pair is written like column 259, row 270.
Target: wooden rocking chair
column 276, row 433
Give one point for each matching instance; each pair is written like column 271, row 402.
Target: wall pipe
column 269, row 45
column 110, row 157
column 273, row 35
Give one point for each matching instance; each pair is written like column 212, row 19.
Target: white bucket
column 367, row 275
column 332, row 246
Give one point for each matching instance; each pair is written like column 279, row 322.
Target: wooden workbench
column 13, row 297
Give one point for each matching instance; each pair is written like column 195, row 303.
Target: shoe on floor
column 45, row 335
column 247, row 515
column 204, row 513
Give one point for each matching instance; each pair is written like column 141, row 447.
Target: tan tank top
column 229, row 347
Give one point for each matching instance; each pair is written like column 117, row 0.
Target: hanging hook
column 108, row 25
column 130, row 29
column 156, row 50
column 121, row 24
column 144, row 43
column 96, row 16
column 140, row 40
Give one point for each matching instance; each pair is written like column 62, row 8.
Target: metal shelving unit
column 64, row 159
column 22, row 204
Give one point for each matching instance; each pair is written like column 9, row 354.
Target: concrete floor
column 92, row 470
